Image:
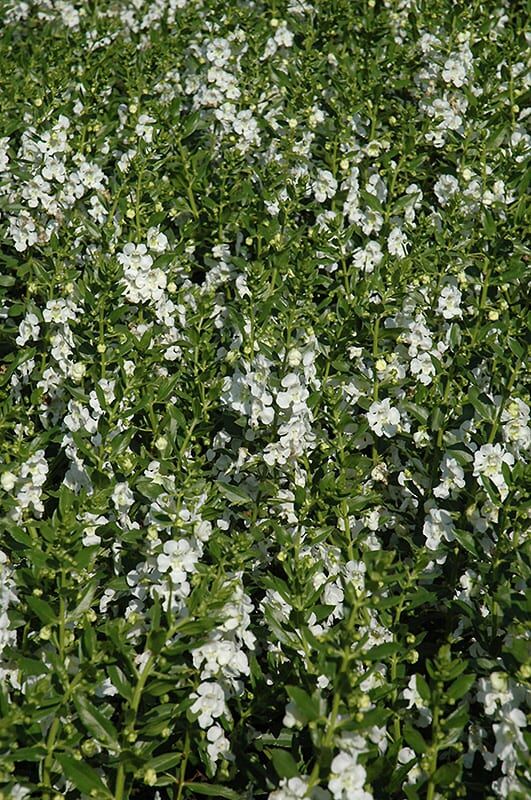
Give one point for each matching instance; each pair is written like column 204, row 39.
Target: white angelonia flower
column 397, row 242
column 347, row 778
column 445, row 188
column 290, row 789
column 488, row 461
column 452, row 478
column 412, row 695
column 454, row 71
column 294, row 394
column 23, row 231
column 135, row 256
column 209, row 703
column 368, row 257
column 218, row 744
column 437, row 526
column 144, row 128
column 28, row 330
column 178, row 559
column 324, row 186
column 422, row 366
column 509, row 736
column 383, row 418
column 449, row 303
column 156, row 241
column 122, row 497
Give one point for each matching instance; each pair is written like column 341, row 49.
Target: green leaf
column 306, row 704
column 382, row 651
column 466, row 540
column 233, row 493
column 83, row 777
column 284, row 764
column 213, row 790
column 42, row 609
column 415, row 739
column 165, row 761
column 119, row 681
column 447, row 774
column 423, row 688
column 520, row 649
column 99, row 727
column 460, row 686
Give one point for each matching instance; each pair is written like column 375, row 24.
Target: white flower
column 368, row 257
column 383, row 418
column 412, row 695
column 422, row 365
column 122, row 497
column 290, row 789
column 488, row 461
column 294, row 395
column 144, row 127
column 509, row 737
column 178, row 559
column 454, row 71
column 324, row 186
column 449, row 302
column 438, row 525
column 157, row 241
column 135, row 256
column 28, row 330
column 209, row 703
column 347, row 778
column 397, row 243
column 218, row 744
column 452, row 478
column 445, row 188
column 8, row 481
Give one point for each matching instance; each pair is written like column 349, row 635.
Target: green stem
column 182, row 769
column 120, row 783
column 50, row 743
column 503, row 401
column 188, row 177
column 434, row 753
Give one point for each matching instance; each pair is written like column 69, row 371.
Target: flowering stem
column 507, row 392
column 182, row 768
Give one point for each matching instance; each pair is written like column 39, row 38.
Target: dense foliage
column 264, row 422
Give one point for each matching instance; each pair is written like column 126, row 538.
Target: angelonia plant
column 264, row 409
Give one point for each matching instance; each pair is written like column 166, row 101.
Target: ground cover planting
column 264, row 408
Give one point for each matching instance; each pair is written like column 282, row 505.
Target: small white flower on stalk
column 290, row 789
column 218, row 744
column 488, row 461
column 347, row 778
column 28, row 330
column 383, row 418
column 368, row 257
column 294, row 393
column 178, row 559
column 454, row 71
column 209, row 703
column 397, row 243
column 450, row 302
column 445, row 188
column 437, row 526
column 157, row 241
column 422, row 366
column 324, row 186
column 413, row 696
column 144, row 128
column 122, row 497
